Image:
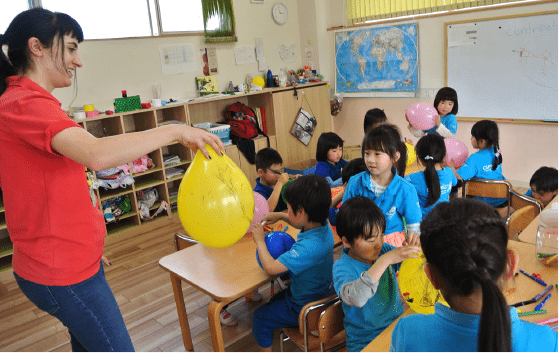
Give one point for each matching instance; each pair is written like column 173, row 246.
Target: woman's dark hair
column 40, row 23
column 373, row 117
column 312, row 194
column 431, row 150
column 465, row 240
column 326, row 142
column 360, row 217
column 544, row 179
column 488, row 131
column 353, row 167
column 446, row 94
column 387, row 138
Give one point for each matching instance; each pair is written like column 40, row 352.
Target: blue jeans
column 88, row 309
column 279, row 312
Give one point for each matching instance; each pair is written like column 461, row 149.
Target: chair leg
column 283, row 338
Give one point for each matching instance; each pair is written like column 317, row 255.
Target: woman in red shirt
column 58, row 235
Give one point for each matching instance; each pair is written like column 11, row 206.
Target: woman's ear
column 35, row 47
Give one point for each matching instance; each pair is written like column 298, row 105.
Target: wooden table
column 528, row 235
column 526, row 289
column 225, row 274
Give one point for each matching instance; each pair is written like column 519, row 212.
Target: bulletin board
column 505, row 67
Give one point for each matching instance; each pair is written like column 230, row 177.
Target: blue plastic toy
column 277, row 244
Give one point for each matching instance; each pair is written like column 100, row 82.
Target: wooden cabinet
column 280, row 107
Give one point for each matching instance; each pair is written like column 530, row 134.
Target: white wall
column 110, row 66
column 525, row 147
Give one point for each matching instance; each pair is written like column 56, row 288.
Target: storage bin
column 221, row 130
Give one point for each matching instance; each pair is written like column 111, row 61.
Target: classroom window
column 360, row 11
column 9, row 12
column 183, row 16
column 104, row 19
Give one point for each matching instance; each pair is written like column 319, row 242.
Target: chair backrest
column 518, row 201
column 520, row 220
column 310, row 313
column 331, row 323
column 183, row 241
column 487, row 188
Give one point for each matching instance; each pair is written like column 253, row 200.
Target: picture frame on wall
column 304, row 126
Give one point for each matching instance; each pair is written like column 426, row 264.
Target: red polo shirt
column 58, row 235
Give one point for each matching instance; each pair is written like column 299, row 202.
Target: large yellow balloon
column 215, row 201
column 412, row 156
column 416, row 288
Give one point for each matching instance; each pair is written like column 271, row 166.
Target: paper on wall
column 244, row 54
column 461, row 35
column 260, row 54
column 287, row 53
column 209, row 61
column 176, row 59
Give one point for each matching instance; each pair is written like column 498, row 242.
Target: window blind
column 359, row 11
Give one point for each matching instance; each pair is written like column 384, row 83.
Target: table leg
column 181, row 310
column 215, row 326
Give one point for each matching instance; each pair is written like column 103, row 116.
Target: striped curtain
column 359, row 11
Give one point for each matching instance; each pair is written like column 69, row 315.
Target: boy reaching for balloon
column 309, row 261
column 365, row 274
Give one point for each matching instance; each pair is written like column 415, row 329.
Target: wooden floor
column 145, row 296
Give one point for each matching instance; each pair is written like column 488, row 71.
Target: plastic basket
column 221, row 130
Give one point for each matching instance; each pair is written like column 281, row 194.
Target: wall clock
column 279, row 13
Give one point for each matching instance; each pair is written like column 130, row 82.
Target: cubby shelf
column 281, row 107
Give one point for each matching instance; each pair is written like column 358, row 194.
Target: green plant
column 224, row 10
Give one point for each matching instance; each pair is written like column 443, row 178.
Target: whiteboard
column 504, row 68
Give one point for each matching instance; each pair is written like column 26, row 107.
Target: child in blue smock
column 309, row 261
column 465, row 246
column 486, row 163
column 446, row 103
column 433, row 185
column 365, row 274
column 271, row 178
column 329, row 150
column 543, row 185
column 385, row 156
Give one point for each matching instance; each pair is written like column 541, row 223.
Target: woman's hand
column 195, row 139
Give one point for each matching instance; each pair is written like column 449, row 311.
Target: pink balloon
column 456, row 150
column 422, row 116
column 260, row 209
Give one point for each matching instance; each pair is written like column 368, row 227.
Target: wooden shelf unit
column 281, row 107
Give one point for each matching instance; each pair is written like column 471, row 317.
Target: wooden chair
column 520, row 220
column 488, row 188
column 183, row 241
column 331, row 329
column 309, row 318
column 518, row 201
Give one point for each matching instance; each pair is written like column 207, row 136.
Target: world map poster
column 377, row 59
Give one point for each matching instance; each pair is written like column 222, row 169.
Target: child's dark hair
column 465, row 240
column 326, row 142
column 544, row 179
column 387, row 138
column 267, row 157
column 446, row 94
column 430, row 150
column 312, row 194
column 360, row 217
column 373, row 118
column 43, row 24
column 489, row 131
column 353, row 167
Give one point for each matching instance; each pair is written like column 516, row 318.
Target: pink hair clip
column 498, row 153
